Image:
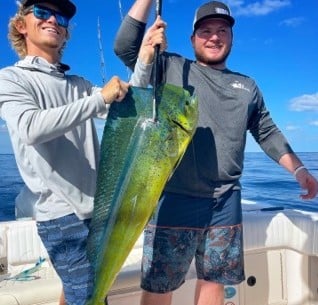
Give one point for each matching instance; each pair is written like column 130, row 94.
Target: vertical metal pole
column 156, row 68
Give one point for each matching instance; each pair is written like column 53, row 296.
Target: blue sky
column 275, row 42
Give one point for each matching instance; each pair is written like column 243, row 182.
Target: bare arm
column 140, row 10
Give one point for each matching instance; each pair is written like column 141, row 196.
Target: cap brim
column 229, row 19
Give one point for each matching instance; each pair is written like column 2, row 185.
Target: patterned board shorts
column 65, row 241
column 183, row 228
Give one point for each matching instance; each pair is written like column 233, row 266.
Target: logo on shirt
column 238, row 85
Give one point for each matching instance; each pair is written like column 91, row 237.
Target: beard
column 212, row 62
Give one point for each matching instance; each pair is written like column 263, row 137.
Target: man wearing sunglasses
column 44, row 13
column 49, row 115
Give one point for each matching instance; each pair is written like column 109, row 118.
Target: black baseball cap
column 213, row 9
column 65, row 6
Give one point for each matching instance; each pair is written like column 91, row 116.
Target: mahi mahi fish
column 138, row 156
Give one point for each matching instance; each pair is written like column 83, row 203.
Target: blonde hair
column 17, row 39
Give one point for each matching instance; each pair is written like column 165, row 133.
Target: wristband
column 299, row 168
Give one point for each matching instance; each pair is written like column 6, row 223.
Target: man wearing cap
column 49, row 115
column 199, row 214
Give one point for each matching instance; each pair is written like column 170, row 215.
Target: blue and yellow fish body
column 138, row 155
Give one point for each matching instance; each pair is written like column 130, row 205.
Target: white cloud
column 293, row 22
column 258, row 8
column 304, row 102
column 314, row 123
column 292, row 127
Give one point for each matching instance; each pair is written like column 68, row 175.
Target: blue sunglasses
column 45, row 13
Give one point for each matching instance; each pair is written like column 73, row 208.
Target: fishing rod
column 120, row 6
column 101, row 52
column 156, row 68
column 100, row 45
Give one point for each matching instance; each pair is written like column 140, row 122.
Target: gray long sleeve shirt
column 230, row 104
column 49, row 118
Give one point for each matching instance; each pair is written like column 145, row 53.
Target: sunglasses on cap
column 45, row 13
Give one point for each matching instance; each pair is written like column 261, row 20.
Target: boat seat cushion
column 24, row 247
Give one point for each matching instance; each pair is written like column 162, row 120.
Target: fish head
column 178, row 107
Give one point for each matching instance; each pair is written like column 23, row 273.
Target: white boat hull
column 281, row 264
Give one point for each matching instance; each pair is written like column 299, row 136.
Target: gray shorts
column 216, row 244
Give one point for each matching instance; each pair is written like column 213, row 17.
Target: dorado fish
column 138, row 155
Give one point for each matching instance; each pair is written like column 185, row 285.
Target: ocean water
column 10, row 186
column 263, row 181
